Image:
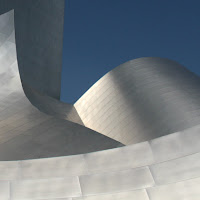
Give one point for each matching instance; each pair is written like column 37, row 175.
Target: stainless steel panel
column 187, row 190
column 39, row 25
column 176, row 145
column 130, row 195
column 6, row 5
column 121, row 158
column 9, row 170
column 54, row 199
column 177, row 170
column 25, row 132
column 53, row 167
column 138, row 101
column 131, row 179
column 151, row 96
column 46, row 188
column 4, row 190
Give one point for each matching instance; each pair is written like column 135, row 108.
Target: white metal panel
column 176, row 145
column 116, row 181
column 53, row 167
column 46, row 188
column 177, row 170
column 130, row 195
column 9, row 170
column 4, row 190
column 186, row 190
column 120, row 158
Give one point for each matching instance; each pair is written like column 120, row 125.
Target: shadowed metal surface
column 142, row 99
column 158, row 169
column 39, row 40
column 26, row 132
column 39, row 37
column 52, row 106
column 167, row 167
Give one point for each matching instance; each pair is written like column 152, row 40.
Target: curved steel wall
column 142, row 99
column 39, row 40
column 25, row 132
column 39, row 25
column 166, row 168
column 163, row 168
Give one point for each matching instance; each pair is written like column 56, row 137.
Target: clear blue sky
column 102, row 34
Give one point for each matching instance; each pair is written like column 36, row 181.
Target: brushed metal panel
column 190, row 140
column 176, row 145
column 46, row 188
column 25, row 132
column 58, row 199
column 39, row 25
column 51, row 138
column 4, row 21
column 138, row 101
column 52, row 106
column 177, row 170
column 187, row 190
column 116, row 181
column 167, row 147
column 120, row 158
column 4, row 190
column 53, row 199
column 53, row 167
column 9, row 170
column 6, row 5
column 130, row 195
column 152, row 97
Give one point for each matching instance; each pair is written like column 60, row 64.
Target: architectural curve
column 166, row 167
column 141, row 100
column 27, row 133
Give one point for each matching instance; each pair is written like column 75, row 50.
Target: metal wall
column 39, row 37
column 25, row 132
column 167, row 168
column 155, row 95
column 142, row 99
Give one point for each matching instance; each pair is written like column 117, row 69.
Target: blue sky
column 99, row 35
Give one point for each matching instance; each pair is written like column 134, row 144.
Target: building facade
column 54, row 150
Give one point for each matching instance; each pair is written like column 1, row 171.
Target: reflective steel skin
column 153, row 102
column 141, row 100
column 25, row 132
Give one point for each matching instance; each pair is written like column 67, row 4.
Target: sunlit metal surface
column 175, row 175
column 152, row 100
column 25, row 132
column 141, row 100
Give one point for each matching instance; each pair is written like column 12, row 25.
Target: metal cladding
column 39, row 36
column 25, row 132
column 141, row 100
column 153, row 100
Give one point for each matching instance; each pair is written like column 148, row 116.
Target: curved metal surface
column 25, row 132
column 154, row 170
column 135, row 102
column 52, row 106
column 39, row 25
column 142, row 99
column 146, row 91
column 39, row 41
